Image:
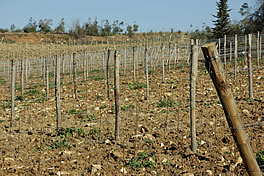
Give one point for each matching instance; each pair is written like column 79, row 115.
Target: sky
column 155, row 15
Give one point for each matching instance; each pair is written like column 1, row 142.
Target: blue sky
column 156, row 15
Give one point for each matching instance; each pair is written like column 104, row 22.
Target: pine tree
column 222, row 22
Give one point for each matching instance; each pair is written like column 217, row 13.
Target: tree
column 135, row 28
column 76, row 30
column 31, row 26
column 222, row 22
column 129, row 30
column 61, row 27
column 45, row 25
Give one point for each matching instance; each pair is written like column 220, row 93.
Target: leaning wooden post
column 74, row 75
column 107, row 74
column 193, row 77
column 250, row 78
column 57, row 93
column 117, row 95
column 215, row 69
column 12, row 91
column 146, row 72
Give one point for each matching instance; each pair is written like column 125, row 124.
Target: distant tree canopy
column 31, row 26
column 222, row 22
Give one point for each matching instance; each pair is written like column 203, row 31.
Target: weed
column 32, row 92
column 6, row 104
column 19, row 98
column 142, row 160
column 260, row 158
column 61, row 141
column 127, row 107
column 166, row 102
column 136, row 85
column 95, row 132
column 52, row 85
column 90, row 117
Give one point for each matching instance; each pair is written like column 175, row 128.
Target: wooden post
column 162, row 64
column 63, row 69
column 146, row 72
column 57, row 93
column 47, row 78
column 22, row 77
column 225, row 50
column 12, row 91
column 216, row 72
column 107, row 74
column 235, row 65
column 250, row 78
column 74, row 75
column 193, row 77
column 84, row 67
column 134, row 64
column 117, row 95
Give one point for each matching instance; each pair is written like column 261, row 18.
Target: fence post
column 250, row 78
column 47, row 77
column 162, row 64
column 193, row 77
column 216, row 72
column 22, row 76
column 74, row 75
column 107, row 74
column 117, row 95
column 57, row 93
column 134, row 64
column 146, row 72
column 12, row 91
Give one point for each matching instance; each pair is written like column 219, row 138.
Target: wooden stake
column 12, row 91
column 146, row 73
column 193, row 77
column 74, row 75
column 117, row 96
column 57, row 93
column 107, row 74
column 217, row 75
column 250, row 78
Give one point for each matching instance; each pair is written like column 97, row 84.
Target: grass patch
column 260, row 158
column 62, row 137
column 166, row 103
column 136, row 85
column 127, row 107
column 142, row 160
column 32, row 92
column 96, row 77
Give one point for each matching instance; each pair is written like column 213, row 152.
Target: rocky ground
column 155, row 133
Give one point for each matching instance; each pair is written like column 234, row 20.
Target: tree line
column 90, row 27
